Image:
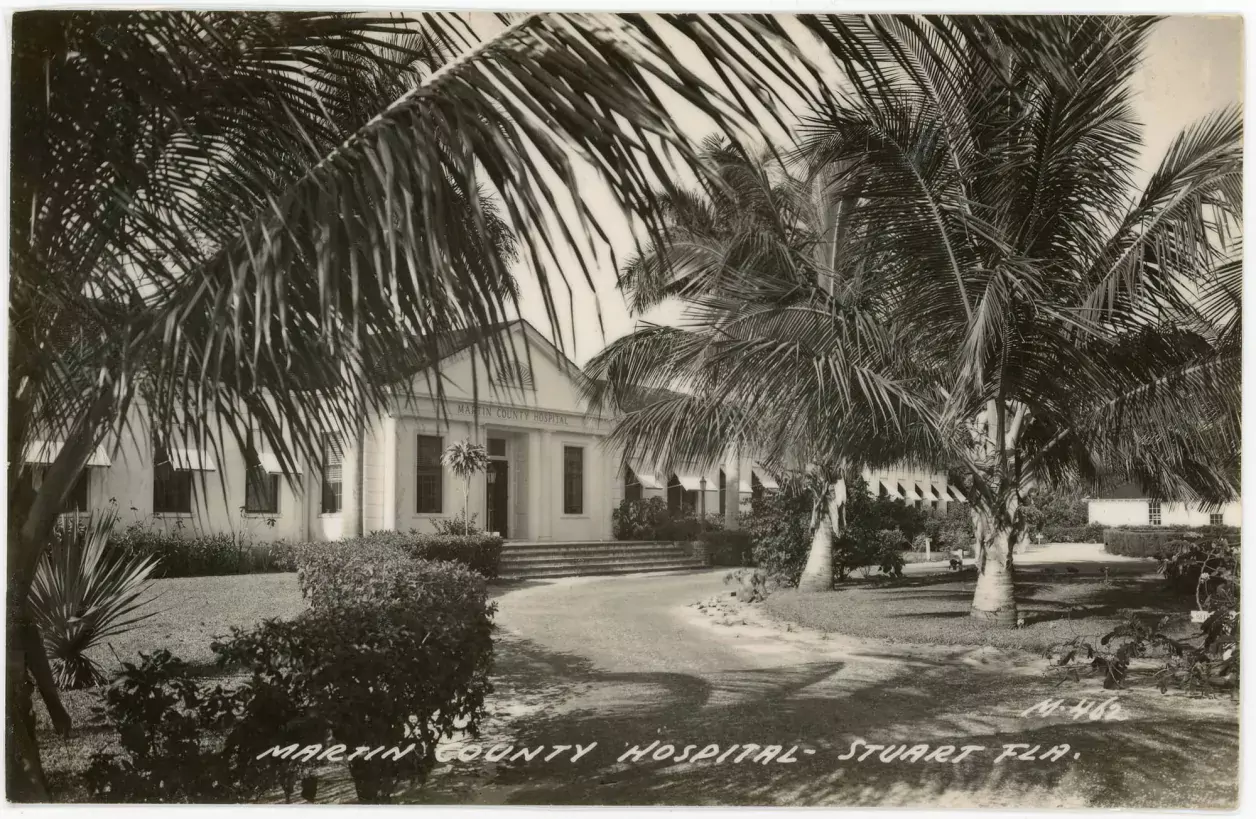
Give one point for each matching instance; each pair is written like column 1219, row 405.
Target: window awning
column 923, row 492
column 955, row 494
column 647, row 479
column 767, row 480
column 692, row 483
column 909, row 491
column 45, row 452
column 744, row 487
column 933, row 487
column 192, row 460
column 270, row 463
column 890, row 489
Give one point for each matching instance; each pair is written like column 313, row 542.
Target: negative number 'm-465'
column 1108, row 710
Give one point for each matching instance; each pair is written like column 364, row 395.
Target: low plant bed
column 934, row 609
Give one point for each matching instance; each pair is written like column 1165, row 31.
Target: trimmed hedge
column 728, row 547
column 193, row 555
column 1092, row 533
column 480, row 552
column 1154, row 541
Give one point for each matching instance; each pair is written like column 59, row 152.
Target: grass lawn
column 934, row 608
column 190, row 613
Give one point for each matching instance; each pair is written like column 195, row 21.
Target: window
column 333, row 474
column 430, row 484
column 76, row 501
column 573, row 480
column 632, row 486
column 1216, row 519
column 261, row 488
column 756, row 486
column 172, row 488
column 723, row 491
column 1153, row 512
column 497, row 447
column 679, row 499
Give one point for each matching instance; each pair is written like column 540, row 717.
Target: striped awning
column 891, row 489
column 45, row 452
column 270, row 463
column 955, row 494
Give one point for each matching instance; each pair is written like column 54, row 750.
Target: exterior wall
column 1134, row 512
column 129, row 483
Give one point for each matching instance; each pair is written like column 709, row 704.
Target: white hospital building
column 551, row 477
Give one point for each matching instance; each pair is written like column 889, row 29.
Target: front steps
column 524, row 561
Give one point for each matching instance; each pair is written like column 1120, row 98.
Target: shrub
column 639, row 519
column 779, row 526
column 1154, row 541
column 399, row 662
column 171, row 733
column 479, row 551
column 86, row 590
column 1091, row 533
column 952, row 529
column 404, row 664
column 457, row 525
column 728, row 547
column 1198, row 567
column 182, row 554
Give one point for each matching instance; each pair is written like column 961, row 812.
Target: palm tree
column 992, row 294
column 466, row 459
column 213, row 212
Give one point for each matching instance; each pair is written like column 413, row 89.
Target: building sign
column 525, row 416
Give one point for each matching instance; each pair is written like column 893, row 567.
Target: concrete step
column 534, row 572
column 576, row 562
column 592, row 553
column 575, row 546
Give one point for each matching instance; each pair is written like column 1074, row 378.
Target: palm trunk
column 817, row 575
column 466, row 508
column 994, row 599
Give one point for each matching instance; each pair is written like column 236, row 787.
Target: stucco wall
column 1134, row 512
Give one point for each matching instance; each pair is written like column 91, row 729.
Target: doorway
column 498, row 477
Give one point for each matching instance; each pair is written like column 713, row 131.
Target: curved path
column 629, row 661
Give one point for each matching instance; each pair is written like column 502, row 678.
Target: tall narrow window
column 756, row 486
column 573, row 480
column 172, row 487
column 1216, row 519
column 261, row 487
column 632, row 486
column 1153, row 512
column 723, row 491
column 333, row 474
column 430, row 485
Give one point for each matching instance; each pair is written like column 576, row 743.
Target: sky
column 1193, row 66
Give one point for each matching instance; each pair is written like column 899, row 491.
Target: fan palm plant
column 85, row 593
column 467, row 459
column 981, row 288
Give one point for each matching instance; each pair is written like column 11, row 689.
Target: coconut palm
column 215, row 213
column 989, row 293
column 467, row 459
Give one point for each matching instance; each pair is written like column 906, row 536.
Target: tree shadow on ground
column 1167, row 755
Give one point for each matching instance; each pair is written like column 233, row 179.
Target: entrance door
column 498, row 477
